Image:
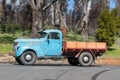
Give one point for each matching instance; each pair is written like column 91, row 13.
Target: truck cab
column 47, row 43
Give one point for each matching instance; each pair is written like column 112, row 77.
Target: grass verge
column 5, row 48
column 6, row 41
column 113, row 52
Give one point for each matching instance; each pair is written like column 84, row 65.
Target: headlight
column 15, row 45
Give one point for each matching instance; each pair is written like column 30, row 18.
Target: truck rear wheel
column 28, row 58
column 86, row 59
column 73, row 61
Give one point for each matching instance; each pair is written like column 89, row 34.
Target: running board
column 52, row 57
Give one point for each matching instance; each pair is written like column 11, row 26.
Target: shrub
column 9, row 27
column 106, row 30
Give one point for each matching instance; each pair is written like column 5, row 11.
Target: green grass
column 6, row 41
column 71, row 36
column 5, row 48
column 6, row 44
column 113, row 52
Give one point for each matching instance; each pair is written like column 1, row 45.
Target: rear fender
column 78, row 54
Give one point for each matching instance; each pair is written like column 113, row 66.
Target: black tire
column 18, row 60
column 28, row 58
column 85, row 59
column 73, row 61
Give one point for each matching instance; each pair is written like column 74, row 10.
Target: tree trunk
column 38, row 7
column 84, row 24
column 36, row 20
column 53, row 15
column 2, row 11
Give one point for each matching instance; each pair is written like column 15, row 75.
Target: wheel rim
column 28, row 57
column 86, row 59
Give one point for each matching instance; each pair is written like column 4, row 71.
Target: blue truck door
column 54, row 44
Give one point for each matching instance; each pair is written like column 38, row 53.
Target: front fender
column 39, row 52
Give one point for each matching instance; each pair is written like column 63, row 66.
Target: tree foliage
column 9, row 27
column 107, row 27
column 116, row 19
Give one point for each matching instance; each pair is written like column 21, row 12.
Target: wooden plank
column 101, row 45
column 91, row 45
column 84, row 45
column 81, row 45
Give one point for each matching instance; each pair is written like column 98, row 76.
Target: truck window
column 42, row 34
column 54, row 35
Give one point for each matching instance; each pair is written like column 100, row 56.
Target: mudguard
column 39, row 52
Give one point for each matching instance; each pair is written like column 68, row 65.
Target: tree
column 116, row 19
column 25, row 15
column 2, row 10
column 118, row 6
column 55, row 14
column 97, row 7
column 106, row 30
column 38, row 7
column 84, row 23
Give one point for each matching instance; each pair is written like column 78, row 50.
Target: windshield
column 42, row 34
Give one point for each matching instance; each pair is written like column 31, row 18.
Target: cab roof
column 52, row 30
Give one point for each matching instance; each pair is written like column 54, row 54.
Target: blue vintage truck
column 49, row 44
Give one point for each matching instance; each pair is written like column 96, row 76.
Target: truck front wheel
column 28, row 58
column 85, row 59
column 73, row 61
column 18, row 60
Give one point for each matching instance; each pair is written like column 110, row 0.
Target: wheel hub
column 86, row 59
column 28, row 57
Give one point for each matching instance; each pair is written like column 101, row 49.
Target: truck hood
column 29, row 40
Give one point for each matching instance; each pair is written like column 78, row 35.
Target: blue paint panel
column 42, row 47
column 54, row 47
